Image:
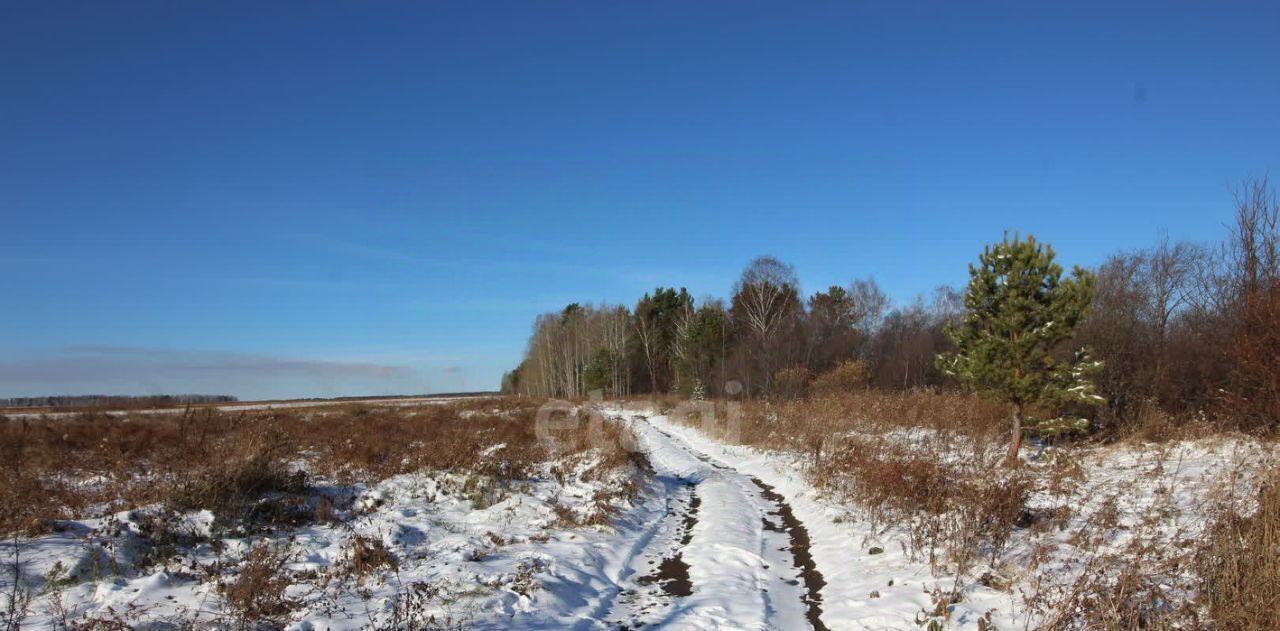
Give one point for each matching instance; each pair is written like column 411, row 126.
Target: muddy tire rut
column 799, row 549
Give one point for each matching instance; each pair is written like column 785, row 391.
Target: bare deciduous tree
column 765, row 302
column 1255, row 253
column 565, row 346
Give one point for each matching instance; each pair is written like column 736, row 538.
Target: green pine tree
column 1019, row 309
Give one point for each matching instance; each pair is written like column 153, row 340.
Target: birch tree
column 765, row 305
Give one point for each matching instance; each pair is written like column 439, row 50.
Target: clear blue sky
column 295, row 199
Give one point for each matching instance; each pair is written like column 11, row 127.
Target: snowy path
column 721, row 554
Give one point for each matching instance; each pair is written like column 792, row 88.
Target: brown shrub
column 1254, row 254
column 790, row 383
column 258, row 594
column 1147, row 421
column 950, row 504
column 1239, row 565
column 846, row 378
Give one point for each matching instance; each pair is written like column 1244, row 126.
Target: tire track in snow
column 813, row 580
column 673, row 573
column 621, row 603
column 725, row 564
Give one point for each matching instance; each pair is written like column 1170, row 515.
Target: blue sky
column 312, row 199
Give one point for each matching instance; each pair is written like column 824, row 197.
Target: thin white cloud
column 133, row 370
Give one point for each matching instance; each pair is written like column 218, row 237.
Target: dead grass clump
column 292, row 508
column 1239, row 565
column 889, row 478
column 566, row 517
column 258, row 595
column 411, row 609
column 367, row 555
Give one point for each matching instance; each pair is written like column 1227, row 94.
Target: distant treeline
column 1181, row 328
column 96, row 400
column 392, row 397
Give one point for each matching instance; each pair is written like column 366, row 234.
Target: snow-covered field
column 703, row 536
column 460, row 552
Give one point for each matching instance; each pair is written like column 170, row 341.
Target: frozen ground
column 715, row 537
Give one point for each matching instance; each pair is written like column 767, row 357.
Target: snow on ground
column 699, row 546
column 740, row 570
column 1161, row 493
column 715, row 537
column 839, row 543
column 485, row 555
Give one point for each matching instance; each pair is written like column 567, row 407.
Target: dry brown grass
column 791, row 383
column 1122, row 593
column 846, row 378
column 368, row 556
column 242, row 465
column 816, row 424
column 257, row 595
column 1150, row 423
column 925, row 460
column 1239, row 565
column 1146, row 584
column 928, row 464
column 952, row 506
column 264, row 472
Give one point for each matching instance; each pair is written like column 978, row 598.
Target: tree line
column 98, row 400
column 1176, row 327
